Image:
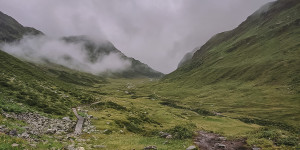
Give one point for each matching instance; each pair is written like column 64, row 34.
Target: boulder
column 219, row 145
column 14, row 145
column 99, row 146
column 13, row 132
column 25, row 135
column 192, row 148
column 66, row 118
column 150, row 147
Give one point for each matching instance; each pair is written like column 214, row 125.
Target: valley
column 240, row 90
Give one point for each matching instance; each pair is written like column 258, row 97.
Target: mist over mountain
column 239, row 91
column 82, row 53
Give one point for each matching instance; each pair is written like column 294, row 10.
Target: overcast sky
column 156, row 32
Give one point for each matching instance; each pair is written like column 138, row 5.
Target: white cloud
column 157, row 32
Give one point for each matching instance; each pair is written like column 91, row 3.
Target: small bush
column 289, row 141
column 130, row 126
column 182, row 132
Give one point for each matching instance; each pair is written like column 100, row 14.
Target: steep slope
column 12, row 30
column 97, row 50
column 264, row 48
column 251, row 72
column 51, row 89
column 187, row 58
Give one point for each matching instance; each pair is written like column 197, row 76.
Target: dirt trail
column 211, row 141
column 79, row 124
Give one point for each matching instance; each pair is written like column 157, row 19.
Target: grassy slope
column 252, row 70
column 48, row 89
column 250, row 73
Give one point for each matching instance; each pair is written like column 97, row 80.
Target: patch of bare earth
column 211, row 141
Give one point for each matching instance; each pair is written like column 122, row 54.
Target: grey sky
column 156, row 32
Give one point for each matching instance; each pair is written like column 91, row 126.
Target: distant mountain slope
column 187, row 57
column 97, row 50
column 11, row 30
column 265, row 48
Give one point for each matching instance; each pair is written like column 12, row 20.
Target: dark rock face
column 11, row 30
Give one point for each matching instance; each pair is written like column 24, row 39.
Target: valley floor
column 133, row 114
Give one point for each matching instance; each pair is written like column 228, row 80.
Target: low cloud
column 42, row 49
column 156, row 32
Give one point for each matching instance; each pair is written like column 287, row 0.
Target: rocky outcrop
column 38, row 124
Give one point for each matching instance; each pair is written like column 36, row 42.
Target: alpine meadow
column 72, row 87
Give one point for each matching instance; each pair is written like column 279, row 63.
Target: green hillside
column 52, row 89
column 251, row 72
column 242, row 85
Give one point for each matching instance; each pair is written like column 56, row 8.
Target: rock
column 13, row 132
column 192, row 148
column 32, row 145
column 70, row 147
column 150, row 147
column 2, row 126
column 169, row 137
column 25, row 135
column 66, row 118
column 256, row 148
column 80, row 148
column 121, row 131
column 219, row 145
column 222, row 138
column 164, row 134
column 99, row 146
column 14, row 145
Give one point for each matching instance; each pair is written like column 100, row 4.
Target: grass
column 243, row 83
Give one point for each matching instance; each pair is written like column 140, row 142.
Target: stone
column 150, row 147
column 164, row 134
column 66, row 118
column 13, row 132
column 99, row 146
column 256, row 148
column 192, row 148
column 222, row 138
column 70, row 147
column 25, row 135
column 14, row 145
column 169, row 137
column 51, row 131
column 32, row 145
column 219, row 145
column 80, row 148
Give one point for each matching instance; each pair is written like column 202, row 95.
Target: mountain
column 264, row 48
column 12, row 30
column 187, row 57
column 97, row 50
column 250, row 73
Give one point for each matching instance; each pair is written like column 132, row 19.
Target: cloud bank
column 157, row 32
column 43, row 49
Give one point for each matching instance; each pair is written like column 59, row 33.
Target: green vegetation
column 242, row 84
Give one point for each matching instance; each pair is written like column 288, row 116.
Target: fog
column 156, row 32
column 44, row 49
